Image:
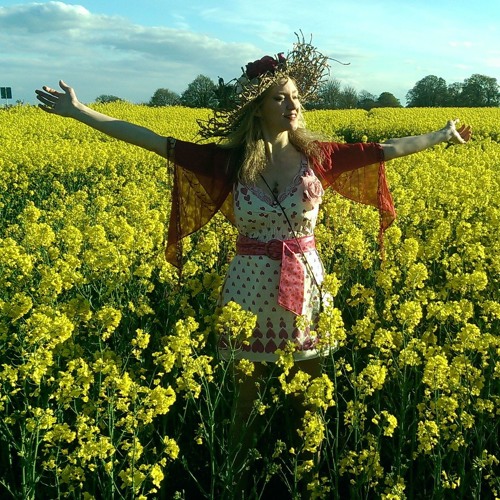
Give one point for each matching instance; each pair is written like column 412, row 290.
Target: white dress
column 252, row 281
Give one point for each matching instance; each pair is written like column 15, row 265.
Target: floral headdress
column 304, row 64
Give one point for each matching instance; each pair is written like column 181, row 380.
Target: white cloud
column 461, row 44
column 43, row 17
column 108, row 51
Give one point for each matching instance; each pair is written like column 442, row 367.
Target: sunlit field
column 110, row 382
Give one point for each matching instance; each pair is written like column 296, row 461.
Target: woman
column 267, row 174
column 263, row 176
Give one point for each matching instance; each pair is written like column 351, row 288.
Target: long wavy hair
column 248, row 139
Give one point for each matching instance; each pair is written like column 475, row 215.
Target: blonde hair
column 249, row 139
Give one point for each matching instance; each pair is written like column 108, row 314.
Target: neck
column 278, row 145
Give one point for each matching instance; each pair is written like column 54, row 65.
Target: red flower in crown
column 266, row 64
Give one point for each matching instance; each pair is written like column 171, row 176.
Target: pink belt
column 292, row 276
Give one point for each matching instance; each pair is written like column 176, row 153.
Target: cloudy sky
column 131, row 48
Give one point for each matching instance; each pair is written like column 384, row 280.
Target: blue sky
column 131, row 48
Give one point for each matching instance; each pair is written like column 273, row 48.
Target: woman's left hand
column 460, row 135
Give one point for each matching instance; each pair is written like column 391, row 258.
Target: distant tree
column 164, row 97
column 348, row 98
column 453, row 94
column 366, row 100
column 480, row 91
column 225, row 95
column 387, row 100
column 104, row 98
column 431, row 91
column 201, row 93
column 329, row 95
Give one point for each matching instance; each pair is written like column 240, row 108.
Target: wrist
column 76, row 110
column 444, row 134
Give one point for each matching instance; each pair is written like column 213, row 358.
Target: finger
column 465, row 131
column 46, row 91
column 47, row 109
column 64, row 86
column 52, row 91
column 47, row 105
column 41, row 93
column 49, row 96
column 46, row 99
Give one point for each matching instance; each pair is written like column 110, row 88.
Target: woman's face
column 280, row 108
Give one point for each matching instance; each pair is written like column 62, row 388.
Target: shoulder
column 209, row 159
column 188, row 150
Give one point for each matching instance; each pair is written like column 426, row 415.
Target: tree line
column 431, row 91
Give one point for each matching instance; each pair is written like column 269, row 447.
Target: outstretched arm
column 394, row 148
column 66, row 104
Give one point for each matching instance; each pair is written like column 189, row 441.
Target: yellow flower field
column 110, row 382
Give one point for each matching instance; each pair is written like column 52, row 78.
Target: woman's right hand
column 66, row 104
column 55, row 102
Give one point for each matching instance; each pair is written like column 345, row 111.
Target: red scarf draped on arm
column 204, row 177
